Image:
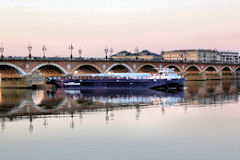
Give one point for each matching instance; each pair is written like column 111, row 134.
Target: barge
column 165, row 79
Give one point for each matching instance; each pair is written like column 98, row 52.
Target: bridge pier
column 203, row 76
column 195, row 76
column 234, row 75
column 23, row 82
column 237, row 75
column 220, row 74
column 183, row 74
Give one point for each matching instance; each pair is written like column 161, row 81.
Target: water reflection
column 21, row 104
column 211, row 92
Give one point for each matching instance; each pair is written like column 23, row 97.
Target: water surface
column 202, row 122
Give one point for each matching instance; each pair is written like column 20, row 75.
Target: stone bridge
column 18, row 68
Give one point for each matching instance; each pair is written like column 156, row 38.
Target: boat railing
column 111, row 76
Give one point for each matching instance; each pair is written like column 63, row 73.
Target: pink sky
column 155, row 25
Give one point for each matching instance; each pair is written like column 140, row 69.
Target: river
column 201, row 122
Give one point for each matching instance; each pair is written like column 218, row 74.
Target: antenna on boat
column 136, row 50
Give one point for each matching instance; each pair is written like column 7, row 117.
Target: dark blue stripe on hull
column 119, row 83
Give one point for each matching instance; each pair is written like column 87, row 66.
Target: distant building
column 145, row 54
column 230, row 57
column 201, row 55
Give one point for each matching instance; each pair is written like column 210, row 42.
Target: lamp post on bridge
column 44, row 49
column 29, row 50
column 111, row 52
column 1, row 50
column 71, row 48
column 80, row 52
column 106, row 51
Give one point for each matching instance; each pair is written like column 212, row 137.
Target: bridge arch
column 237, row 69
column 193, row 68
column 147, row 68
column 11, row 67
column 227, row 72
column 87, row 68
column 193, row 72
column 226, row 68
column 211, row 73
column 53, row 66
column 176, row 67
column 210, row 68
column 122, row 66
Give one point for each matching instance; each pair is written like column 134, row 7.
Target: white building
column 201, row 55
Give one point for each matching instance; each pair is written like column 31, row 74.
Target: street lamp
column 29, row 50
column 111, row 52
column 44, row 49
column 106, row 51
column 1, row 50
column 71, row 48
column 80, row 52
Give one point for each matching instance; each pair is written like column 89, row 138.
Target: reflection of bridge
column 21, row 104
column 64, row 101
column 24, row 102
column 211, row 92
column 17, row 68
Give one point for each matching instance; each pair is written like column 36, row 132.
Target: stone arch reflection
column 46, row 101
column 11, row 100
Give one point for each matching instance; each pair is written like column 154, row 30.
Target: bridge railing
column 111, row 59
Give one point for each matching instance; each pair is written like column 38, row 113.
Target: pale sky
column 155, row 25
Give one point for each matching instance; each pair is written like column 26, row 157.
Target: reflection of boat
column 165, row 79
column 126, row 96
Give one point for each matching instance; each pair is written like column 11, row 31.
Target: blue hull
column 120, row 83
